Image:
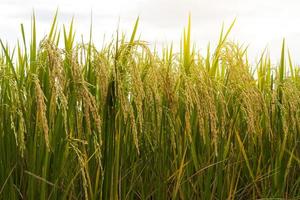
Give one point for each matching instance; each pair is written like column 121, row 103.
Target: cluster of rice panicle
column 41, row 112
column 126, row 122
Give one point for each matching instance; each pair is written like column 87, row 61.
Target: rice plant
column 126, row 122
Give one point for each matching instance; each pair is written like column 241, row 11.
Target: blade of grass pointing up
column 33, row 44
column 187, row 46
column 51, row 37
column 222, row 40
column 291, row 65
column 134, row 31
column 282, row 63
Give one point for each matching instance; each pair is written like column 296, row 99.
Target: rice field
column 128, row 122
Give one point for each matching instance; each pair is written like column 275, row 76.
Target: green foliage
column 122, row 122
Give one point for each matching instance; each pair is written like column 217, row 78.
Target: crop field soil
column 128, row 122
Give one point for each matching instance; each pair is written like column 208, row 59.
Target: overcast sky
column 260, row 23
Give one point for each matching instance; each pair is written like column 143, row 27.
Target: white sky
column 260, row 23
